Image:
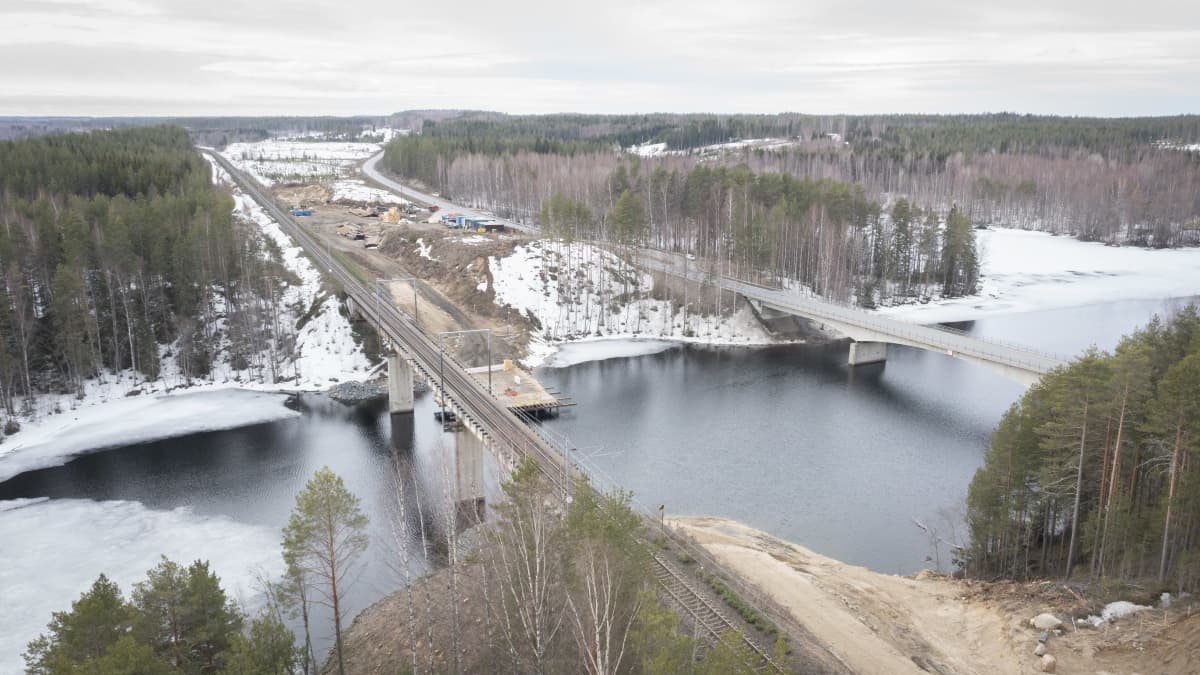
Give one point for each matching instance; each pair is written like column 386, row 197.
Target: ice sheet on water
column 1026, row 271
column 55, row 440
column 55, row 549
column 573, row 353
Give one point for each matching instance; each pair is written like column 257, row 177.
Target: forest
column 770, row 227
column 116, row 251
column 1095, row 473
column 1120, row 181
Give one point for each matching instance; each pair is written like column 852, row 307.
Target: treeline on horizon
column 115, row 245
column 1120, row 181
column 941, row 135
column 1095, row 473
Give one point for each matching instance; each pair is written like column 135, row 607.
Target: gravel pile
column 358, row 392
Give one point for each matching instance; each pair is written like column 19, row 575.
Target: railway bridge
column 508, row 436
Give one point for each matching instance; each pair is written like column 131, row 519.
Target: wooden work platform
column 521, row 391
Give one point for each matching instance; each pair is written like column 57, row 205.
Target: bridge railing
column 823, row 308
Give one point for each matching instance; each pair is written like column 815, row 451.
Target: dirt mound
column 456, row 263
column 304, row 195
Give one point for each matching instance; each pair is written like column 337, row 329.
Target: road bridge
column 871, row 332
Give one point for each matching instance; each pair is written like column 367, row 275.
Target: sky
column 303, row 57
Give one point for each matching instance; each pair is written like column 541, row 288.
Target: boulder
column 1046, row 621
column 1040, row 649
column 1048, row 664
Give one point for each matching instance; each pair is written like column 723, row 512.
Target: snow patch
column 277, row 160
column 358, row 191
column 424, row 250
column 46, row 571
column 1113, row 611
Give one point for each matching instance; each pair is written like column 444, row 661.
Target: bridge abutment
column 400, row 385
column 862, row 353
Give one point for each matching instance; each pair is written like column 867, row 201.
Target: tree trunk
column 1078, row 490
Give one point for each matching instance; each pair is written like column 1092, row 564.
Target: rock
column 1048, row 664
column 1040, row 649
column 1046, row 621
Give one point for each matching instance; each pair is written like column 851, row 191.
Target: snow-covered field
column 277, row 160
column 44, row 571
column 648, row 149
column 385, row 134
column 592, row 308
column 358, row 191
column 1030, row 271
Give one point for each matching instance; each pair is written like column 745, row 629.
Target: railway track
column 704, row 612
column 505, row 432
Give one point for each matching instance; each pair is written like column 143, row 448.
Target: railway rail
column 509, row 435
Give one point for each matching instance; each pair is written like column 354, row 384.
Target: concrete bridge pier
column 400, row 385
column 353, row 310
column 862, row 353
column 468, row 472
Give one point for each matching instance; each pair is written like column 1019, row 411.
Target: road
column 370, row 169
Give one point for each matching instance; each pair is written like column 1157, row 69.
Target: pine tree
column 323, row 539
column 95, row 622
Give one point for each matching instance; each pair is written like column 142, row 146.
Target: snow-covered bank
column 54, row 440
column 323, row 351
column 573, row 353
column 580, row 293
column 44, row 571
column 1026, row 271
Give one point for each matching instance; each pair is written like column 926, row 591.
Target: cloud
column 103, row 57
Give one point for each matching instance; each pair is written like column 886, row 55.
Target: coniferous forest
column 116, row 250
column 1095, row 472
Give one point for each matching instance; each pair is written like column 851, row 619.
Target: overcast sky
column 302, row 57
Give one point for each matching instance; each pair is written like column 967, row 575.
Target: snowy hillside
column 578, row 292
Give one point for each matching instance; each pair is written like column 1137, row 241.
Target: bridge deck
column 860, row 324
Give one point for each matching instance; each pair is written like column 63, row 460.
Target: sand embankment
column 877, row 623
